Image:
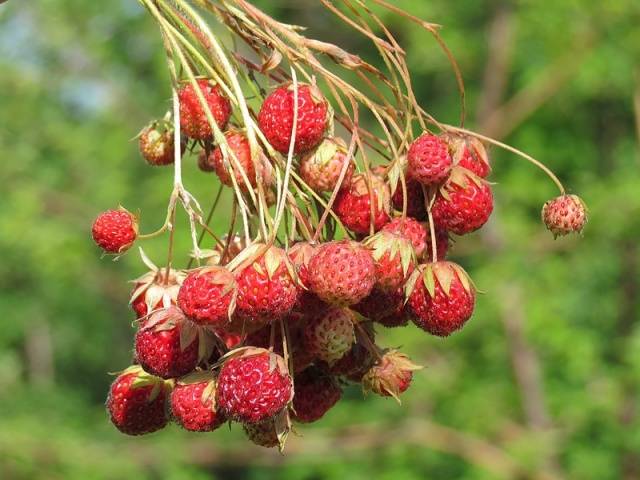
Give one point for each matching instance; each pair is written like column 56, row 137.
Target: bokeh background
column 544, row 382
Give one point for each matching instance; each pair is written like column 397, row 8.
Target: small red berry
column 207, row 296
column 136, row 402
column 193, row 119
column 469, row 152
column 277, row 115
column 157, row 145
column 253, row 386
column 353, row 204
column 391, row 375
column 441, row 298
column 115, row 230
column 316, row 392
column 309, row 304
column 380, row 304
column 415, row 199
column 240, row 149
column 320, row 169
column 394, row 259
column 193, row 404
column 331, row 335
column 429, row 160
column 262, row 434
column 155, row 290
column 564, row 215
column 341, row 273
column 464, row 204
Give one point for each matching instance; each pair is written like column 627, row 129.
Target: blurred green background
column 544, row 382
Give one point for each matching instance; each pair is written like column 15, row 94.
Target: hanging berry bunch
column 345, row 195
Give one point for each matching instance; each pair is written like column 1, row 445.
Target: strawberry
column 564, row 215
column 262, row 434
column 267, row 284
column 379, row 304
column 207, row 296
column 155, row 289
column 156, row 144
column 253, row 385
column 136, row 402
column 415, row 199
column 331, row 335
column 193, row 404
column 193, row 119
column 341, row 273
column 316, row 393
column 413, row 230
column 429, row 160
column 464, row 204
column 240, row 149
column 169, row 346
column 321, row 168
column 277, row 115
column 205, row 162
column 391, row 375
column 354, row 363
column 114, row 231
column 353, row 204
column 398, row 318
column 308, row 303
column 469, row 152
column 394, row 259
column 441, row 297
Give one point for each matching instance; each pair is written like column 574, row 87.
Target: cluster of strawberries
column 262, row 335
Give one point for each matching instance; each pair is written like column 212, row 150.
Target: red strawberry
column 564, row 215
column 277, row 115
column 156, row 144
column 207, row 296
column 331, row 335
column 321, row 168
column 441, row 297
column 398, row 318
column 114, row 231
column 240, row 148
column 253, row 385
column 469, row 152
column 262, row 434
column 193, row 403
column 415, row 199
column 169, row 346
column 394, row 259
column 341, row 273
column 429, row 160
column 420, row 236
column 136, row 402
column 193, row 119
column 267, row 285
column 316, row 392
column 354, row 363
column 391, row 375
column 155, row 290
column 353, row 204
column 464, row 204
column 308, row 304
column 380, row 304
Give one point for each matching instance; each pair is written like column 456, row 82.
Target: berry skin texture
column 262, row 434
column 193, row 403
column 156, row 145
column 321, row 168
column 564, row 215
column 441, row 298
column 207, row 296
column 316, row 393
column 415, row 199
column 394, row 259
column 253, row 386
column 308, row 304
column 341, row 273
column 464, row 204
column 239, row 146
column 136, row 402
column 429, row 160
column 193, row 119
column 353, row 204
column 267, row 287
column 331, row 335
column 413, row 230
column 277, row 114
column 391, row 375
column 114, row 231
column 158, row 345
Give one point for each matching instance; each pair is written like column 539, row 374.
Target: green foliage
column 77, row 82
